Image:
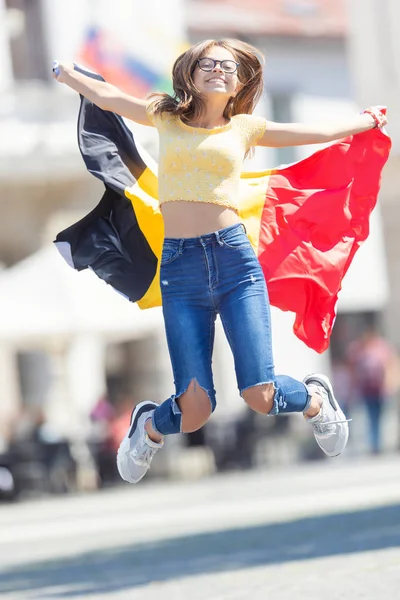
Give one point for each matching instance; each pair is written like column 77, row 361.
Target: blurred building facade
column 46, row 357
column 44, row 185
column 374, row 40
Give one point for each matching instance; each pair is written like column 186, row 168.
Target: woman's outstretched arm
column 104, row 95
column 279, row 135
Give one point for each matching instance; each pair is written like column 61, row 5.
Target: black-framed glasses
column 208, row 64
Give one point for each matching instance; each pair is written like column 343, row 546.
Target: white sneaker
column 136, row 450
column 330, row 426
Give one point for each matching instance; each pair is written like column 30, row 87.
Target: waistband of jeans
column 208, row 238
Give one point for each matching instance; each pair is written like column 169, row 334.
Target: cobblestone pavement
column 326, row 531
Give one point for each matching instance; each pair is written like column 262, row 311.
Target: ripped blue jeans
column 201, row 277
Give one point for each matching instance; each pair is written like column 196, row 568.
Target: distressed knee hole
column 196, row 405
column 260, row 398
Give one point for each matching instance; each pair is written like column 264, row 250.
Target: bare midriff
column 184, row 219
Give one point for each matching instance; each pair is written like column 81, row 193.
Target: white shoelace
column 143, row 453
column 326, row 427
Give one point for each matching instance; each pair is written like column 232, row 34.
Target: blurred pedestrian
column 374, row 367
column 101, row 416
column 342, row 380
column 121, row 420
column 208, row 265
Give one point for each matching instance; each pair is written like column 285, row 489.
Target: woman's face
column 216, row 81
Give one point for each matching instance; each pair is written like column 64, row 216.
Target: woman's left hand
column 377, row 114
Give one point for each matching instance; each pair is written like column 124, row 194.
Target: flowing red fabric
column 315, row 217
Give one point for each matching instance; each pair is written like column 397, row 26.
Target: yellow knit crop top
column 203, row 165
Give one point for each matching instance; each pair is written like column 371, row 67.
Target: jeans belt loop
column 220, row 242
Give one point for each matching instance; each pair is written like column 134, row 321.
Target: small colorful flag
column 119, row 66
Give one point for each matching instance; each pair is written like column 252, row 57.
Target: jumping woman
column 208, row 266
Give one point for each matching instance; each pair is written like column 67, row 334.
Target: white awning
column 43, row 298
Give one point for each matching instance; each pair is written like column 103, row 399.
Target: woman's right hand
column 102, row 94
column 60, row 69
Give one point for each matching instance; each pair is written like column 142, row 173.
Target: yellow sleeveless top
column 203, row 165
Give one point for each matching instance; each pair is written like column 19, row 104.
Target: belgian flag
column 305, row 221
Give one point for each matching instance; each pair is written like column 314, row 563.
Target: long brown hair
column 187, row 101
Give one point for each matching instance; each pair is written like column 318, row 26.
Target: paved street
column 326, row 531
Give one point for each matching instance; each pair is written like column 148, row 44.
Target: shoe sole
column 124, row 446
column 326, row 384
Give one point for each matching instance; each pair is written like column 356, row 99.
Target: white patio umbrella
column 43, row 297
